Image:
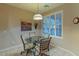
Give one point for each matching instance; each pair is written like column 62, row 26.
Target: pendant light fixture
column 38, row 16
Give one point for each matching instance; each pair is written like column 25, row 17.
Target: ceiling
column 33, row 7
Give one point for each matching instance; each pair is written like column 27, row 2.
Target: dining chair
column 44, row 47
column 27, row 47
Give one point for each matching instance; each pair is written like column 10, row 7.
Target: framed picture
column 26, row 26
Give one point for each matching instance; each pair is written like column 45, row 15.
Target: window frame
column 54, row 13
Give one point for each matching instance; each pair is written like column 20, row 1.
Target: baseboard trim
column 11, row 50
column 7, row 51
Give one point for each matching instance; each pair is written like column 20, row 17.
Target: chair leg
column 26, row 53
column 28, row 50
column 22, row 52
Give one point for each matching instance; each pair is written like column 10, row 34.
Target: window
column 59, row 24
column 46, row 25
column 52, row 24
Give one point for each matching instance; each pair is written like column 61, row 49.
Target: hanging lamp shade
column 37, row 16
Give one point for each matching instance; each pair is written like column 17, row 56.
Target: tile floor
column 53, row 52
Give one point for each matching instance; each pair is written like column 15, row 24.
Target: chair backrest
column 22, row 42
column 44, row 44
column 22, row 39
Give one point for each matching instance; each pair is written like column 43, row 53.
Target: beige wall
column 70, row 39
column 10, row 18
column 12, row 13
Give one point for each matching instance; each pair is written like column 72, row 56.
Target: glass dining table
column 35, row 40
